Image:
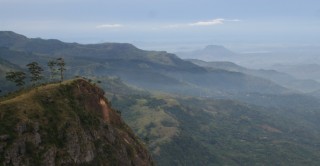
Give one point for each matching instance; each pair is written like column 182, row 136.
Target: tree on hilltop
column 56, row 67
column 35, row 71
column 16, row 77
column 60, row 63
column 53, row 70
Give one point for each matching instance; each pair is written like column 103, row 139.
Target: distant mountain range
column 283, row 79
column 145, row 69
column 209, row 53
column 256, row 59
column 302, row 71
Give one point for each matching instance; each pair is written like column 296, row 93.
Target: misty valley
column 205, row 107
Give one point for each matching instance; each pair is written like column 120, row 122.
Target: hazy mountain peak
column 9, row 38
column 209, row 53
column 216, row 50
column 10, row 34
column 208, row 47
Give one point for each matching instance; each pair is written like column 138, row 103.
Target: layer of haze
column 172, row 25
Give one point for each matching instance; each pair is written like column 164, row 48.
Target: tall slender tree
column 35, row 71
column 16, row 77
column 61, row 69
column 53, row 70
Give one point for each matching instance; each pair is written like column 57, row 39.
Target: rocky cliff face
column 67, row 124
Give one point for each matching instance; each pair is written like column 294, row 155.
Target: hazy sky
column 167, row 24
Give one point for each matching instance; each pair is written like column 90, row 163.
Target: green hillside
column 195, row 131
column 66, row 124
column 151, row 70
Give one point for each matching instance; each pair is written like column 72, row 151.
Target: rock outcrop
column 67, row 124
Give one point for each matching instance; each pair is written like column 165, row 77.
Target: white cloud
column 234, row 20
column 213, row 22
column 173, row 26
column 208, row 23
column 109, row 26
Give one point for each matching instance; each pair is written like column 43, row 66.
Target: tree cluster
column 16, row 77
column 57, row 67
column 35, row 71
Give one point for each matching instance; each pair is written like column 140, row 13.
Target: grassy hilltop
column 63, row 124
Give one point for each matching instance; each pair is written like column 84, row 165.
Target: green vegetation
column 56, row 67
column 53, row 71
column 195, row 131
column 254, row 121
column 61, row 67
column 17, row 77
column 65, row 124
column 35, row 71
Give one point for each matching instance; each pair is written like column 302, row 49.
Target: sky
column 172, row 25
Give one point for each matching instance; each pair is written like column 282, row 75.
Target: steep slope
column 67, row 124
column 9, row 38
